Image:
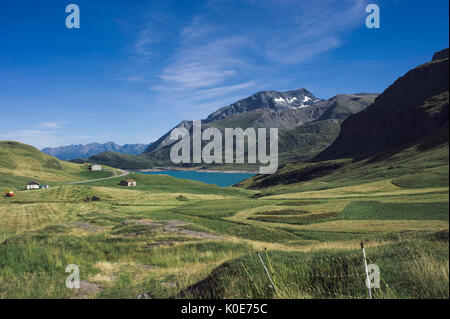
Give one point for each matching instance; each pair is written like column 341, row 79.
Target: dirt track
column 124, row 173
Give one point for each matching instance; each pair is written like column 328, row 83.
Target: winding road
column 123, row 173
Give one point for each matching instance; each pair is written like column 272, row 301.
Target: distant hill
column 344, row 105
column 121, row 160
column 71, row 152
column 21, row 163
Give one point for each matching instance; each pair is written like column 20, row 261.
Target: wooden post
column 367, row 271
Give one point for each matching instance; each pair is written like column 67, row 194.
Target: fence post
column 267, row 272
column 367, row 270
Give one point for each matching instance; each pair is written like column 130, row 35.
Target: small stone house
column 127, row 182
column 96, row 167
column 33, row 185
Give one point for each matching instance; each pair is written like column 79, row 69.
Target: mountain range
column 283, row 110
column 71, row 152
column 306, row 124
column 345, row 126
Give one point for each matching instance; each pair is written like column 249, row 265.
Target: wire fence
column 330, row 275
column 287, row 275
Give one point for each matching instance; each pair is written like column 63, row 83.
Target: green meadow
column 173, row 238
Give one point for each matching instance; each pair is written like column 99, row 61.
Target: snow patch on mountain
column 287, row 100
column 291, row 100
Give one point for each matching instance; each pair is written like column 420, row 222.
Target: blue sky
column 136, row 68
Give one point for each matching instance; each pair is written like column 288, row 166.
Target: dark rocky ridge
column 414, row 106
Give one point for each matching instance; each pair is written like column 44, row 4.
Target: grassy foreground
column 175, row 238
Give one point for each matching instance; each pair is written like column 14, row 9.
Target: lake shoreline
column 222, row 179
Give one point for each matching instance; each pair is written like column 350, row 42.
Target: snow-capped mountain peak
column 295, row 102
column 266, row 100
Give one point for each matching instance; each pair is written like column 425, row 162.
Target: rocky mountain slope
column 284, row 110
column 414, row 106
column 402, row 136
column 266, row 100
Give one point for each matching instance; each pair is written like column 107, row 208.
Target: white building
column 128, row 182
column 96, row 167
column 33, row 185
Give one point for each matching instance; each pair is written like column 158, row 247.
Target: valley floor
column 176, row 238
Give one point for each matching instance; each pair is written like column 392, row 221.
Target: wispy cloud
column 143, row 41
column 201, row 73
column 199, row 103
column 150, row 34
column 214, row 60
column 52, row 125
column 133, row 78
column 203, row 65
column 198, row 30
column 318, row 27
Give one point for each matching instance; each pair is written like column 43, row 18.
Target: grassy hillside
column 123, row 160
column 20, row 164
column 174, row 238
column 410, row 168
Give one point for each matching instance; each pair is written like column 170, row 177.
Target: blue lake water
column 220, row 179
